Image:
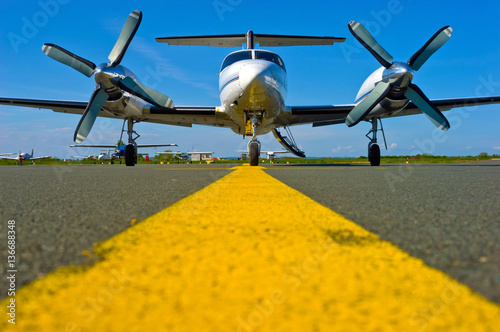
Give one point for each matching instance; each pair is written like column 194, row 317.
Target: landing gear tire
column 374, row 155
column 130, row 155
column 254, row 154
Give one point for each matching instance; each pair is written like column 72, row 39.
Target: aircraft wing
column 448, row 104
column 336, row 114
column 9, row 158
column 178, row 116
column 74, row 107
column 114, row 146
column 43, row 157
column 154, row 145
column 211, row 116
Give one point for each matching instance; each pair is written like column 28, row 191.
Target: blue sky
column 467, row 66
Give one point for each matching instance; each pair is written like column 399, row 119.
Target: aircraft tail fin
column 250, row 39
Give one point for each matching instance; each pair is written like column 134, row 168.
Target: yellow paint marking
column 249, row 253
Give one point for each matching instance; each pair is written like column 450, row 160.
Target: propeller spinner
column 398, row 76
column 110, row 77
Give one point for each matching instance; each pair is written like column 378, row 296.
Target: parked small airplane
column 187, row 155
column 120, row 150
column 22, row 156
column 253, row 87
column 270, row 154
column 89, row 157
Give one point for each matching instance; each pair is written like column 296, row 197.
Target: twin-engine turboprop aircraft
column 253, row 86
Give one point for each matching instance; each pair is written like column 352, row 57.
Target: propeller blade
column 424, row 104
column 152, row 96
column 126, row 36
column 97, row 101
column 366, row 106
column 57, row 53
column 367, row 40
column 432, row 45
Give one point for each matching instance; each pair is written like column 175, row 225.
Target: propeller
column 110, row 77
column 397, row 76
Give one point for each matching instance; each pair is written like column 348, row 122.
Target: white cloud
column 392, row 146
column 65, row 129
column 496, row 148
column 343, row 148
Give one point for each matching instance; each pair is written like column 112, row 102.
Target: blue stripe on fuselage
column 229, row 82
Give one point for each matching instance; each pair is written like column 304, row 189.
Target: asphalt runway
column 446, row 215
column 61, row 211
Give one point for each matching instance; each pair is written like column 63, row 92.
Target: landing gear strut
column 373, row 148
column 131, row 148
column 254, row 144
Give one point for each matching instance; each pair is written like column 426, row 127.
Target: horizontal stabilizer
column 240, row 39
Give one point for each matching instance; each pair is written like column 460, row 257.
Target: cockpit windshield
column 269, row 56
column 247, row 54
column 235, row 57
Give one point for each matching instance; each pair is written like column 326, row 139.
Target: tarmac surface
column 447, row 215
column 61, row 211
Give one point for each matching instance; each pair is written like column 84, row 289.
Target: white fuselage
column 253, row 81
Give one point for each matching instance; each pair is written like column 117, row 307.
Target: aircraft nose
column 255, row 76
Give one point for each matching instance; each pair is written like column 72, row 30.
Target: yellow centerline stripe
column 249, row 253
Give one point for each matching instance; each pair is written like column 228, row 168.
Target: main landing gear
column 131, row 148
column 373, row 148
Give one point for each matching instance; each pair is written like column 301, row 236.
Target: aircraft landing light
column 218, row 261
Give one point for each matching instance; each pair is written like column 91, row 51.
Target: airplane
column 270, row 154
column 120, row 150
column 186, row 155
column 104, row 155
column 22, row 156
column 253, row 87
column 89, row 157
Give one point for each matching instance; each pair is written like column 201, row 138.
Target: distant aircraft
column 120, row 150
column 186, row 155
column 90, row 157
column 270, row 154
column 22, row 156
column 253, row 88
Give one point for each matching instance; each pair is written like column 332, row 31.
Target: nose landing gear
column 254, row 144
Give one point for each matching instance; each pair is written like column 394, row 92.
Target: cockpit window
column 269, row 56
column 235, row 57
